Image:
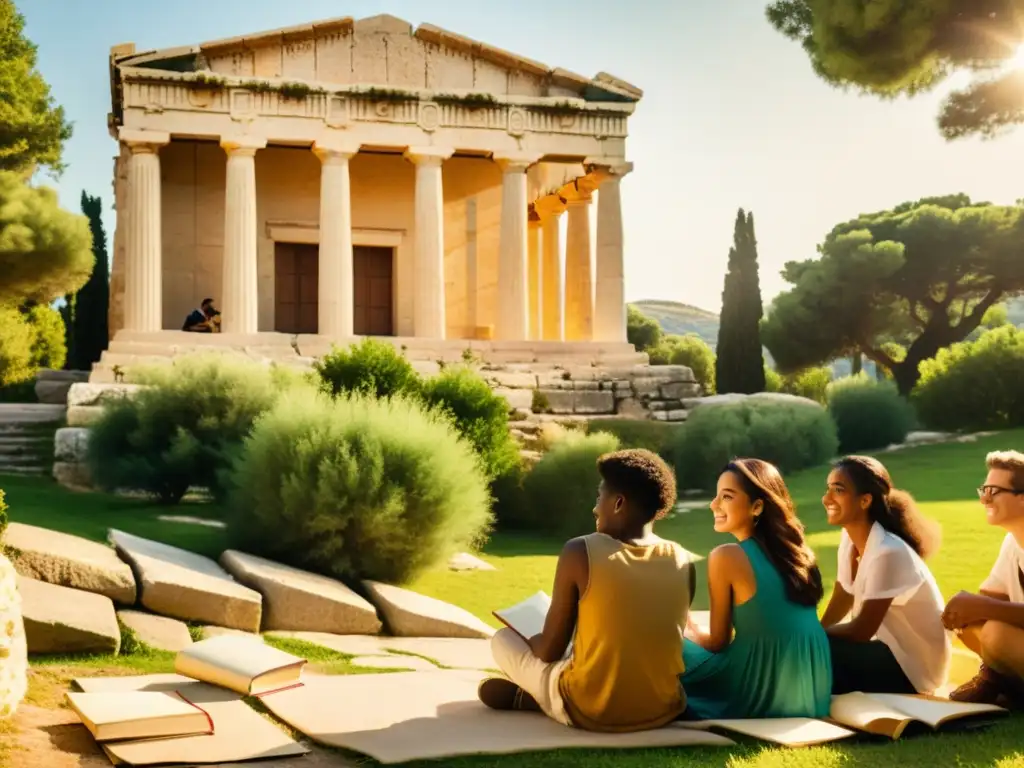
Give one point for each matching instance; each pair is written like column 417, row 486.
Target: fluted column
column 610, row 292
column 335, row 288
column 535, row 275
column 240, row 284
column 513, row 277
column 579, row 295
column 428, row 273
column 550, row 209
column 143, row 289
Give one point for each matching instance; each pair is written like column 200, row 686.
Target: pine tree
column 739, row 366
column 88, row 335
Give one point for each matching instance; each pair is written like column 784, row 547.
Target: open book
column 245, row 665
column 112, row 716
column 894, row 715
column 527, row 618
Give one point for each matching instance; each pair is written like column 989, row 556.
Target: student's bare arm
column 865, row 624
column 571, row 576
column 723, row 562
column 839, row 605
column 965, row 609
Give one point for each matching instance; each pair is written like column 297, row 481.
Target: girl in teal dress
column 766, row 587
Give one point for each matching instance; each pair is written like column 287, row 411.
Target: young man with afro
column 621, row 596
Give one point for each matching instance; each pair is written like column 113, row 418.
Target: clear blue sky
column 732, row 116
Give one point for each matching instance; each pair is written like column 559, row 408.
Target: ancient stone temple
column 353, row 178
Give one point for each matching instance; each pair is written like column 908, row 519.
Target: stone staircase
column 27, row 437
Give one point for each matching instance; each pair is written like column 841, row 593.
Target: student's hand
column 964, row 609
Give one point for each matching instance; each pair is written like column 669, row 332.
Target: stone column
column 335, row 287
column 143, row 289
column 579, row 295
column 550, row 209
column 513, row 280
column 610, row 294
column 534, row 275
column 428, row 272
column 240, row 285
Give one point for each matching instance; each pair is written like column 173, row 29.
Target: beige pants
column 539, row 679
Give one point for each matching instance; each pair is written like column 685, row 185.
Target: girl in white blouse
column 893, row 640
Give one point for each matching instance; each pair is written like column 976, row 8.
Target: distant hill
column 682, row 318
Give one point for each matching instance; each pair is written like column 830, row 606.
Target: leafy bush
column 3, row 513
column 478, row 413
column 974, row 385
column 642, row 332
column 357, row 488
column 16, row 338
column 49, row 349
column 811, row 383
column 869, row 414
column 693, row 352
column 371, row 367
column 655, row 436
column 560, row 491
column 792, row 436
column 185, row 428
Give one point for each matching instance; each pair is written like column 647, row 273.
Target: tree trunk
column 906, row 376
column 856, row 363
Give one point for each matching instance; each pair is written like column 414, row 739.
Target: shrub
column 371, row 367
column 560, row 491
column 869, row 414
column 478, row 413
column 792, row 436
column 642, row 331
column 3, row 514
column 357, row 488
column 693, row 352
column 811, row 383
column 16, row 337
column 49, row 349
column 974, row 385
column 638, row 433
column 185, row 428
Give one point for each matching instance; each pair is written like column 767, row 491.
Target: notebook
column 894, row 715
column 245, row 665
column 112, row 716
column 526, row 618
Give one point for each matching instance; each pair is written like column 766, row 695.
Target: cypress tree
column 89, row 329
column 739, row 365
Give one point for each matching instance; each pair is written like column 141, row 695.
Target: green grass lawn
column 943, row 479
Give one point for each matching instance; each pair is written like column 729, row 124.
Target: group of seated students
column 620, row 652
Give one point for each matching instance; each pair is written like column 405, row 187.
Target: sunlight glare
column 1016, row 61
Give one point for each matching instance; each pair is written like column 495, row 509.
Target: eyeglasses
column 994, row 490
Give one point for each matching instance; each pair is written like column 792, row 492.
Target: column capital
column 515, row 162
column 143, row 141
column 608, row 166
column 428, row 155
column 549, row 206
column 242, row 145
column 333, row 150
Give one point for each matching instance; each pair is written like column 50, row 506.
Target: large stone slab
column 410, row 614
column 158, row 632
column 69, row 561
column 84, row 415
column 64, row 620
column 71, row 444
column 294, row 599
column 181, row 584
column 98, row 394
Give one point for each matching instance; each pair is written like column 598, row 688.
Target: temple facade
column 363, row 178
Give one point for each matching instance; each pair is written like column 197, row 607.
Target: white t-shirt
column 912, row 627
column 1004, row 578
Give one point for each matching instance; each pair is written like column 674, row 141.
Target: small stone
column 158, row 632
column 463, row 561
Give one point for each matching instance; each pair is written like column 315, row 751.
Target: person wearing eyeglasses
column 991, row 623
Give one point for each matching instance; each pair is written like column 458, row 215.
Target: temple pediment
column 383, row 51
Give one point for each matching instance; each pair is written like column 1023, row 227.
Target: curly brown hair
column 779, row 531
column 643, row 478
column 893, row 509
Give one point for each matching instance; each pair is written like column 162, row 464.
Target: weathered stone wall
column 13, row 646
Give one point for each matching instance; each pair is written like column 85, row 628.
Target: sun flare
column 1016, row 61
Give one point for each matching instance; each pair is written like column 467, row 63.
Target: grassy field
column 943, row 479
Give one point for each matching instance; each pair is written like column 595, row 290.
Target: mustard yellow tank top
column 627, row 652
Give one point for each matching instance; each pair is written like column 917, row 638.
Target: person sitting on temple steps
column 622, row 596
column 206, row 319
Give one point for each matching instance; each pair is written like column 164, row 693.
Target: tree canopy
column 921, row 276
column 739, row 365
column 32, row 127
column 894, row 47
column 45, row 251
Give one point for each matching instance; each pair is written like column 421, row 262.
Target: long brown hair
column 893, row 509
column 779, row 531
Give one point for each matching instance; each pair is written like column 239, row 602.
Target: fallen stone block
column 69, row 561
column 410, row 614
column 72, row 475
column 64, row 620
column 294, row 599
column 70, row 444
column 181, row 584
column 91, row 393
column 84, row 415
column 158, row 632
